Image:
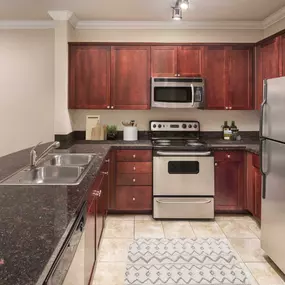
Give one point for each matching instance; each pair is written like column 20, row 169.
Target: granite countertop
column 35, row 220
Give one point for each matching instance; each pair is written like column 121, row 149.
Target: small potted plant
column 112, row 132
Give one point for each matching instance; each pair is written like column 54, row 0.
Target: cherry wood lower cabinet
column 229, row 180
column 97, row 206
column 253, row 201
column 132, row 181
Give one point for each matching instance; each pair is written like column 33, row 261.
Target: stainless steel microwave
column 177, row 92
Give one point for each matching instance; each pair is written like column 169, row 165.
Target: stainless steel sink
column 69, row 159
column 46, row 175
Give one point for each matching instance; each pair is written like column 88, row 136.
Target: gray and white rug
column 184, row 261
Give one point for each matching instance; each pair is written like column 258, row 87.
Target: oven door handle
column 188, row 202
column 193, row 93
column 193, row 153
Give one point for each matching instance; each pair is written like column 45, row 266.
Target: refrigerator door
column 273, row 202
column 273, row 109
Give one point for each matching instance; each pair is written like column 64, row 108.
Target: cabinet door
column 229, row 184
column 90, row 238
column 257, row 192
column 89, row 77
column 282, row 54
column 215, row 74
column 130, row 77
column 240, row 78
column 163, row 61
column 190, row 61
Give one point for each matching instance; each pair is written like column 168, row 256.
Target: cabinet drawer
column 134, row 155
column 134, row 179
column 256, row 161
column 134, row 167
column 228, row 155
column 134, row 198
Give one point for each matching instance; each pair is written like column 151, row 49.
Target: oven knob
column 195, row 126
column 184, row 126
column 154, row 126
column 190, row 126
column 159, row 125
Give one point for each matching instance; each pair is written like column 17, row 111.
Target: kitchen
column 117, row 197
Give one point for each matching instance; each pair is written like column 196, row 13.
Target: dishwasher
column 66, row 268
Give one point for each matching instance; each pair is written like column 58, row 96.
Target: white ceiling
column 141, row 10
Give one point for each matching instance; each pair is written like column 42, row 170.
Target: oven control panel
column 180, row 126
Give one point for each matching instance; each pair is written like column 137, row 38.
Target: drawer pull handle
column 134, row 180
column 134, row 156
column 229, row 156
column 188, row 202
column 134, row 168
column 107, row 160
column 134, row 199
column 97, row 193
column 104, row 173
column 216, row 164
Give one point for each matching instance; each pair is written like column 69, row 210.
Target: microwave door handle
column 193, row 92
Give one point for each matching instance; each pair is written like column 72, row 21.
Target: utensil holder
column 130, row 133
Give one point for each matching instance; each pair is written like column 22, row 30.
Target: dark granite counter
column 35, row 220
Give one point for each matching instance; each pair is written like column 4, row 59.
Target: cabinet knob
column 175, row 74
column 108, row 107
column 134, row 168
column 230, row 108
column 97, row 193
column 112, row 107
column 134, row 180
column 178, row 75
column 107, row 160
column 134, row 199
column 227, row 108
column 134, row 156
column 228, row 155
column 216, row 164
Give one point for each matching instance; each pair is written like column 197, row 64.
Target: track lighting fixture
column 176, row 13
column 184, row 4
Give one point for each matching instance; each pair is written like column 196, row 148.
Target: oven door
column 177, row 95
column 183, row 174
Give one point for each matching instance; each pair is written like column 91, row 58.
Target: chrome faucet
column 34, row 159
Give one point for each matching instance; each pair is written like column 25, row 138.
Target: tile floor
column 242, row 232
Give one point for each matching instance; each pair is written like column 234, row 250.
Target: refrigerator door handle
column 262, row 108
column 263, row 173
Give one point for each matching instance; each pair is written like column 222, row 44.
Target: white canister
column 130, row 133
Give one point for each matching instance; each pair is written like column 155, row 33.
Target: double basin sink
column 55, row 169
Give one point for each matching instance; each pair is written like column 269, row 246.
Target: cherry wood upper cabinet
column 215, row 74
column 282, row 56
column 240, row 78
column 163, row 61
column 229, row 181
column 190, row 61
column 89, row 77
column 130, row 77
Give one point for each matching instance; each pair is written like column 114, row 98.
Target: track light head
column 184, row 4
column 176, row 13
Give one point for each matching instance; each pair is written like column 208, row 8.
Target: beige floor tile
column 230, row 217
column 255, row 228
column 207, row 229
column 177, row 229
column 114, row 250
column 119, row 229
column 143, row 218
column 248, row 249
column 120, row 217
column 236, row 229
column 109, row 273
column 148, row 229
column 264, row 274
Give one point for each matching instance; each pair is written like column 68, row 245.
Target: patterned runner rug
column 184, row 261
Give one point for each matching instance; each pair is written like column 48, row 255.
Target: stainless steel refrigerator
column 272, row 146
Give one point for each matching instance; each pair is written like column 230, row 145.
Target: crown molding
column 27, row 25
column 274, row 18
column 63, row 15
column 169, row 25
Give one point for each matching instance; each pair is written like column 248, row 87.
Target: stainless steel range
column 183, row 171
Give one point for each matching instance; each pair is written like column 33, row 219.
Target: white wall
column 169, row 36
column 211, row 120
column 26, row 88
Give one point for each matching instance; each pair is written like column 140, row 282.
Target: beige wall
column 27, row 88
column 277, row 27
column 211, row 120
column 168, row 36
